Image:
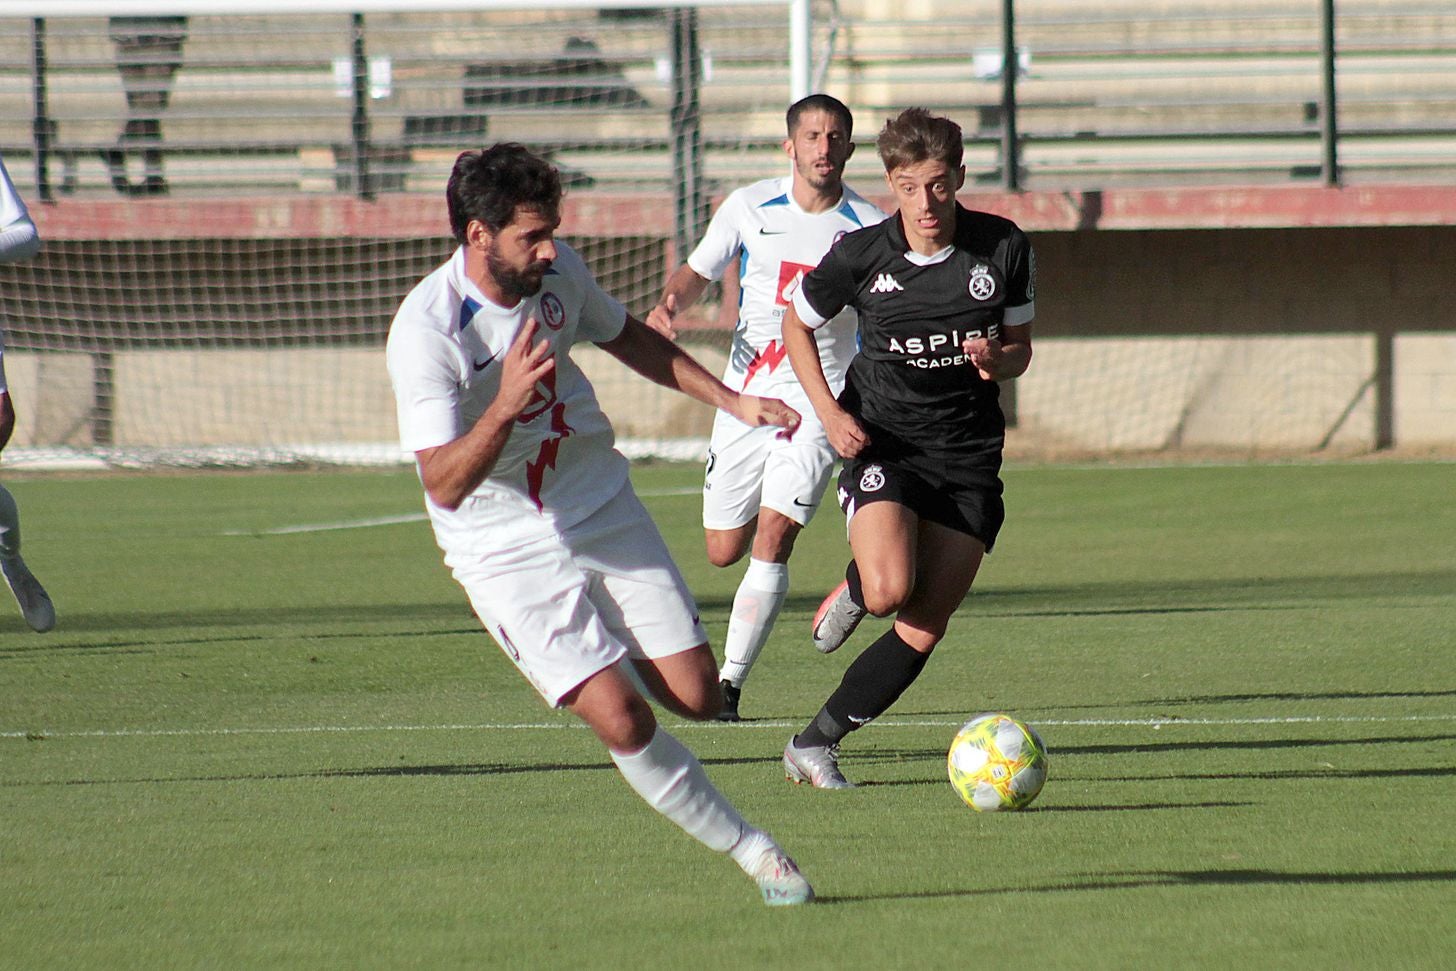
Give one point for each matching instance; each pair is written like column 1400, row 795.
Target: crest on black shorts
column 872, row 479
column 982, row 285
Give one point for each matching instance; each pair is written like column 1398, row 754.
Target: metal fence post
column 40, row 120
column 363, row 182
column 690, row 202
column 1010, row 147
column 1329, row 130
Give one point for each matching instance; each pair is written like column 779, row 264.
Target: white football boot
column 836, row 619
column 776, row 874
column 35, row 603
column 817, row 765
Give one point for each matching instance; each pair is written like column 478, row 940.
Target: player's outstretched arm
column 683, row 289
column 845, row 433
column 452, row 471
column 659, row 360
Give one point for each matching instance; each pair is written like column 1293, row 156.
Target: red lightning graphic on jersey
column 546, row 458
column 769, row 357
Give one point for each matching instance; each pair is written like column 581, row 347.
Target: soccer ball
column 997, row 762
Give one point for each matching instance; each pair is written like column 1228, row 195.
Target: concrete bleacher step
column 1152, row 69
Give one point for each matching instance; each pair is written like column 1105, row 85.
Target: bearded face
column 517, row 277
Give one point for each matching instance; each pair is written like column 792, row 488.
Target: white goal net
column 233, row 205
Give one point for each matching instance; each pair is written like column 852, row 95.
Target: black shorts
column 974, row 508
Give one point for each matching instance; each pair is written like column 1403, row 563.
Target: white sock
column 9, row 525
column 755, row 608
column 672, row 781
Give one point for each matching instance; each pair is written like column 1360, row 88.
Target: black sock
column 856, row 591
column 871, row 684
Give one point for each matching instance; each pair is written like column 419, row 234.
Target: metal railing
column 682, row 100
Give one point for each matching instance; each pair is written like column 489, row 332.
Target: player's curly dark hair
column 491, row 185
column 915, row 135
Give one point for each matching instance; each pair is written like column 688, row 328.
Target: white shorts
column 749, row 468
column 566, row 607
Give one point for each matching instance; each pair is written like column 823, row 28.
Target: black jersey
column 911, row 385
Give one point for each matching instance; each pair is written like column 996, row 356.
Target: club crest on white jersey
column 552, row 310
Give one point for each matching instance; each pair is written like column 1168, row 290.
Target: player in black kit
column 945, row 298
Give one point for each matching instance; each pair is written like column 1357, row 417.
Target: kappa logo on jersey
column 790, row 276
column 885, row 283
column 873, row 479
column 982, row 285
column 553, row 311
column 542, row 398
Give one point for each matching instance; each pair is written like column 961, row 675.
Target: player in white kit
column 18, row 241
column 759, row 490
column 531, row 503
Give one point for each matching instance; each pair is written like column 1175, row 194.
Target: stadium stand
column 235, row 213
column 1131, row 90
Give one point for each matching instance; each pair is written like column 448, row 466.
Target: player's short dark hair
column 491, row 185
column 915, row 135
column 819, row 102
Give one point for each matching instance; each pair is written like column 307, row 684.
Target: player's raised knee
column 884, row 596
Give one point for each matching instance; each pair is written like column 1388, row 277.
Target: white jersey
column 444, row 352
column 776, row 243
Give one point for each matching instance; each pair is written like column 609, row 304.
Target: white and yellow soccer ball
column 996, row 762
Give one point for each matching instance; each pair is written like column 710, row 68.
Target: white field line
column 413, row 517
column 1155, row 724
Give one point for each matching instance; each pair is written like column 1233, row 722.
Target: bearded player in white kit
column 531, row 503
column 760, row 490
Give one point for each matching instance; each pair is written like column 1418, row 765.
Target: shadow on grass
column 889, row 755
column 330, row 615
column 132, row 633
column 1143, row 879
column 467, row 769
column 1246, row 744
column 1236, row 593
column 1418, row 772
column 1171, row 596
column 1220, row 699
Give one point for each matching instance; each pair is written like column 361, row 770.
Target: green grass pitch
column 254, row 741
